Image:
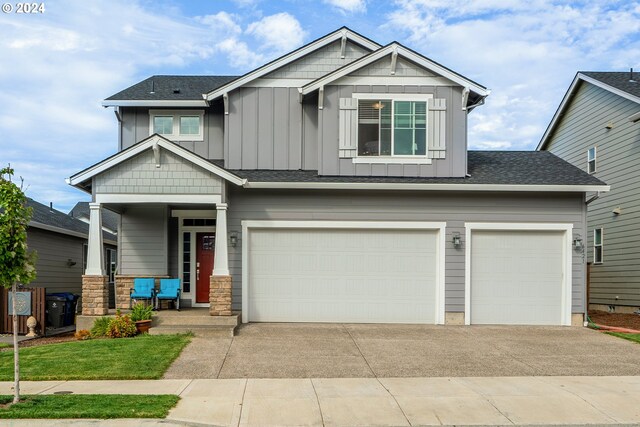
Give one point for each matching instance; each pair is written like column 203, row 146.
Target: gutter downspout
column 592, row 199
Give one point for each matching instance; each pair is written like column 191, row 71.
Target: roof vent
column 51, row 206
column 176, row 91
column 153, row 87
column 631, row 80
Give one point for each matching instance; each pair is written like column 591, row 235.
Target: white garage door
column 337, row 275
column 517, row 277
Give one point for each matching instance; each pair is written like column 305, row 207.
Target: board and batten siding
column 143, row 240
column 455, row 129
column 454, row 208
column 135, row 127
column 139, row 175
column 617, row 280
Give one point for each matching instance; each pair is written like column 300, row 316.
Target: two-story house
column 597, row 128
column 334, row 184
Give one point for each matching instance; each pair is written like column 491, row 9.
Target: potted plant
column 141, row 314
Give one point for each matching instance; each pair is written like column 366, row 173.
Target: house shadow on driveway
column 286, row 350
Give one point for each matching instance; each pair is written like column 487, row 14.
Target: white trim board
column 248, row 225
column 158, row 198
column 290, row 57
column 72, row 233
column 404, row 52
column 148, row 144
column 569, row 95
column 567, row 285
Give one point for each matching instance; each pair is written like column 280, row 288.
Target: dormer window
column 178, row 125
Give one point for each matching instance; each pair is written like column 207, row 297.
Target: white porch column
column 95, row 248
column 221, row 257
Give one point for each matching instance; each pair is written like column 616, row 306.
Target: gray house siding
column 454, row 165
column 143, row 240
column 135, row 127
column 455, row 209
column 617, row 280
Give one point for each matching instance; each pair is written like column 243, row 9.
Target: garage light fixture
column 577, row 243
column 233, row 239
column 456, row 240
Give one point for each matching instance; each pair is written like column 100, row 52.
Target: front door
column 204, row 265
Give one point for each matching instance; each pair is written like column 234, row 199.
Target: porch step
column 190, row 317
column 197, row 330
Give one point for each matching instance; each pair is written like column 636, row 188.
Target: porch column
column 95, row 294
column 220, row 282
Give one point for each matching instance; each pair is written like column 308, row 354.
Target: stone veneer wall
column 95, row 296
column 220, row 296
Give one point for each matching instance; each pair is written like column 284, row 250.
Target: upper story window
column 178, row 125
column 392, row 127
column 591, row 160
column 598, row 246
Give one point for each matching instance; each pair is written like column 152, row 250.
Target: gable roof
column 488, row 171
column 292, row 56
column 47, row 218
column 81, row 178
column 615, row 82
column 109, row 218
column 405, row 52
column 172, row 91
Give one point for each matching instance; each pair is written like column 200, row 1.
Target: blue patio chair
column 169, row 291
column 144, row 288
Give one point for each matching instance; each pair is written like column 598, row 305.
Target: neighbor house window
column 591, row 160
column 177, row 125
column 597, row 246
column 389, row 127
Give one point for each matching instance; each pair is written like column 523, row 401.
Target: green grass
column 89, row 406
column 5, row 345
column 630, row 337
column 143, row 357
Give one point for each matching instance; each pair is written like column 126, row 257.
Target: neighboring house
column 110, row 219
column 597, row 128
column 59, row 241
column 334, row 184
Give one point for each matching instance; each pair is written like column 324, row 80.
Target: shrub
column 121, row 327
column 141, row 311
column 100, row 327
column 82, row 335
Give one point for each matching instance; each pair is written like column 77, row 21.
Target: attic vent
column 176, row 91
column 153, row 87
column 631, row 80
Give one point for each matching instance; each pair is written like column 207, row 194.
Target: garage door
column 517, row 277
column 337, row 275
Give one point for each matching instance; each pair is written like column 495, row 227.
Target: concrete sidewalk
column 377, row 402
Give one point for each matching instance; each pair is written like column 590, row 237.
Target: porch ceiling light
column 457, row 242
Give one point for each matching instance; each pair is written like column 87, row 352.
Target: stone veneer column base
column 220, row 296
column 95, row 296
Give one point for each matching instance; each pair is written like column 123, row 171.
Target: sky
column 56, row 67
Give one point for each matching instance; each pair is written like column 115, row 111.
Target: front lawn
column 630, row 337
column 144, row 357
column 100, row 406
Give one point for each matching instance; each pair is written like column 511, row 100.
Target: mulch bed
column 43, row 341
column 621, row 320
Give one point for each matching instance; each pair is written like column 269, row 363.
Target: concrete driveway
column 285, row 350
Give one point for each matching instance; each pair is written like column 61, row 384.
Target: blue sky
column 57, row 67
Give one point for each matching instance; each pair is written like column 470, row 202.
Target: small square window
column 597, row 246
column 591, row 160
column 189, row 125
column 163, row 125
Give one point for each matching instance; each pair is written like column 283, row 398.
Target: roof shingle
column 171, row 88
column 618, row 80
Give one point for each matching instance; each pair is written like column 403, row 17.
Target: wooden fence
column 38, row 310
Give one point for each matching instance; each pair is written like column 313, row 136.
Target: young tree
column 17, row 264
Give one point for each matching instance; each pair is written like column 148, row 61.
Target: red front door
column 204, row 264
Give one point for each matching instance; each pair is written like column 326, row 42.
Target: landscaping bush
column 100, row 327
column 141, row 311
column 82, row 335
column 121, row 327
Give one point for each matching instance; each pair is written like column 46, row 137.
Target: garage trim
column 567, row 282
column 248, row 225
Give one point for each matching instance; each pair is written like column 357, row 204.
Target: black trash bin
column 70, row 302
column 56, row 310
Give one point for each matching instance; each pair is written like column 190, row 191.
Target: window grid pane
column 410, row 123
column 186, row 262
column 189, row 125
column 163, row 125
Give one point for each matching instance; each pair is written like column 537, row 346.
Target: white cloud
column 222, row 22
column 239, row 54
column 280, row 32
column 527, row 52
column 349, row 6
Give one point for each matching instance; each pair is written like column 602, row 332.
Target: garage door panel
column 516, row 277
column 342, row 275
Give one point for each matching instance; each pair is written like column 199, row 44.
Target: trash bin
column 70, row 302
column 56, row 310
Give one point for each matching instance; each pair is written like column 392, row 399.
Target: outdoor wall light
column 456, row 240
column 233, row 239
column 70, row 262
column 577, row 243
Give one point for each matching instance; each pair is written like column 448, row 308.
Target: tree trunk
column 16, row 356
